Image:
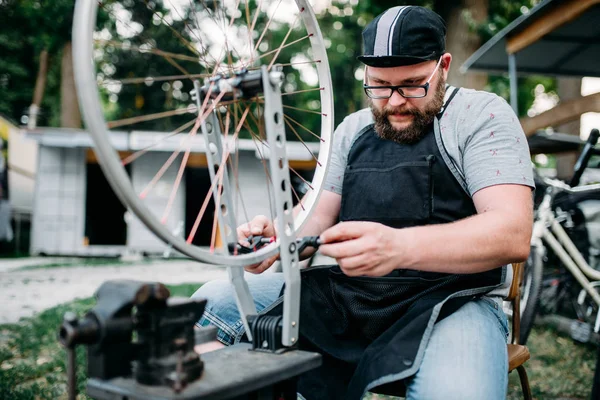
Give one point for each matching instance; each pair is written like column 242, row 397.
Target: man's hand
column 259, row 226
column 362, row 248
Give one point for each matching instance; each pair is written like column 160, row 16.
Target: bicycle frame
column 547, row 229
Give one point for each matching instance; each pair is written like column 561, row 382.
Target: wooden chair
column 517, row 354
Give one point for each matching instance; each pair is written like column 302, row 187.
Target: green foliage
column 15, row 65
column 352, row 16
column 32, row 25
column 28, row 27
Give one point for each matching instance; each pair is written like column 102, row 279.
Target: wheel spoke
column 267, row 174
column 149, row 117
column 159, row 174
column 302, row 178
column 177, row 66
column 173, row 156
column 301, row 91
column 277, row 50
column 291, row 64
column 151, row 50
column 223, row 30
column 296, row 196
column 251, row 28
column 169, row 78
column 287, row 117
column 183, row 40
column 262, row 35
column 160, row 52
column 132, row 157
column 304, row 110
column 302, row 141
column 282, row 45
column 201, row 118
column 219, row 173
column 207, row 198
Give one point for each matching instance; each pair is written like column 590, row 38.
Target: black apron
column 372, row 331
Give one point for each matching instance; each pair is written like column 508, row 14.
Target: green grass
column 558, row 368
column 32, row 363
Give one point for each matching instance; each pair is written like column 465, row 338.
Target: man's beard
column 421, row 118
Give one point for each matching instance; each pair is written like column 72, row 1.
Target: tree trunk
column 461, row 41
column 568, row 89
column 38, row 93
column 70, row 117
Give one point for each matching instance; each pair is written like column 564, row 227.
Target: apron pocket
column 372, row 304
column 402, row 192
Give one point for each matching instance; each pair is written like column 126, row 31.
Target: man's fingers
column 264, row 224
column 354, row 266
column 344, row 231
column 243, row 231
column 347, row 248
column 263, row 266
column 259, row 226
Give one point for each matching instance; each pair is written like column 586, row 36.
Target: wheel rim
column 112, row 164
column 526, row 287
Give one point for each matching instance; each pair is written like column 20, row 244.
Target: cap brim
column 392, row 61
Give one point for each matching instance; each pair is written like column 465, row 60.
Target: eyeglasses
column 406, row 91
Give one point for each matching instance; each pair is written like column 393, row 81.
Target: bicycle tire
column 85, row 21
column 531, row 286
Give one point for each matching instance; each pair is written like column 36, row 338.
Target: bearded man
column 427, row 200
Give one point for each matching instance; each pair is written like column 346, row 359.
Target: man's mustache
column 399, row 110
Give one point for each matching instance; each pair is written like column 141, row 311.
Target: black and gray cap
column 404, row 35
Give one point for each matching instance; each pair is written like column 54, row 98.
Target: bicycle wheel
column 146, row 56
column 531, row 286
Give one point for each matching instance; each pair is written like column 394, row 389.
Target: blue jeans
column 465, row 357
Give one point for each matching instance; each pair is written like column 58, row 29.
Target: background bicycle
column 562, row 274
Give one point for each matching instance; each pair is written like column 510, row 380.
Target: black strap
column 461, row 178
column 452, row 94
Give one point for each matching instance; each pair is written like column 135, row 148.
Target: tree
column 470, row 23
column 34, row 35
column 342, row 22
column 462, row 39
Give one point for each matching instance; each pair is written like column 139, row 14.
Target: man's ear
column 446, row 61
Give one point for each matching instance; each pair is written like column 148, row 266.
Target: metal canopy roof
column 572, row 49
column 553, row 142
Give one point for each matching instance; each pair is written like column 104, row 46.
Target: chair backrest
column 515, row 286
column 514, row 296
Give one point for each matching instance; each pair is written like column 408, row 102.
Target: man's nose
column 396, row 99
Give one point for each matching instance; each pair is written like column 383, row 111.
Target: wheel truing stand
column 160, row 362
column 247, row 85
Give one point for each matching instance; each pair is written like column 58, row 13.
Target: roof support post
column 512, row 75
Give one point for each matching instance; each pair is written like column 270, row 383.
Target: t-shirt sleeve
column 343, row 138
column 338, row 159
column 496, row 150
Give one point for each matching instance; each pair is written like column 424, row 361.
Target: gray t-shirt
column 483, row 141
column 479, row 130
